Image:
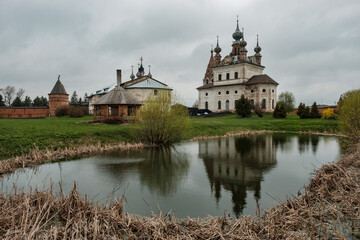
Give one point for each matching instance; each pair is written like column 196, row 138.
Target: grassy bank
column 18, row 136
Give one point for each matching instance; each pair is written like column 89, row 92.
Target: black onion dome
column 257, row 49
column 243, row 43
column 237, row 35
column 217, row 49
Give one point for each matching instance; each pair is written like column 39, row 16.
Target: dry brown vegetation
column 235, row 134
column 328, row 208
column 37, row 157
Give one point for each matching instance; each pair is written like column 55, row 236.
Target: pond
column 229, row 176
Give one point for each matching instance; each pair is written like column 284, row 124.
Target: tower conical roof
column 58, row 88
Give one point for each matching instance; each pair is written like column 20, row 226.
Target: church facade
column 226, row 79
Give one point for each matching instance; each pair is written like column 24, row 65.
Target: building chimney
column 118, row 74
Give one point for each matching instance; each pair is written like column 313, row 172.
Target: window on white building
column 263, row 104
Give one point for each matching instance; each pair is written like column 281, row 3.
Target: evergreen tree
column 74, row 99
column 36, row 102
column 80, row 102
column 44, row 102
column 2, row 103
column 86, row 99
column 27, row 101
column 301, row 110
column 17, row 102
column 315, row 111
column 307, row 112
column 279, row 111
column 243, row 106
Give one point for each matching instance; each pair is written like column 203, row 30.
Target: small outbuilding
column 116, row 105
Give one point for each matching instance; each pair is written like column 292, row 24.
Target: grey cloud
column 310, row 47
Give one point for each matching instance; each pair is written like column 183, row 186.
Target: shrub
column 314, row 113
column 72, row 111
column 62, row 111
column 78, row 111
column 161, row 123
column 349, row 115
column 279, row 111
column 243, row 106
column 329, row 114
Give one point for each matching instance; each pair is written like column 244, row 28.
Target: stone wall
column 231, row 93
column 24, row 112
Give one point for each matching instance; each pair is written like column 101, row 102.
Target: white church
column 227, row 79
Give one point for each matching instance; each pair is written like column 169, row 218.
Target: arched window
column 236, row 75
column 219, row 105
column 263, row 104
column 228, row 76
column 219, row 77
column 207, row 81
column 227, row 105
column 155, row 92
column 252, row 102
column 273, row 104
column 206, row 105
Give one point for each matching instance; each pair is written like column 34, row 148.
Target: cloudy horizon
column 311, row 48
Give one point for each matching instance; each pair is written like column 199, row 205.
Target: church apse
column 238, row 165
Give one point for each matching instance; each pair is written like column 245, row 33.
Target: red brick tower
column 58, row 97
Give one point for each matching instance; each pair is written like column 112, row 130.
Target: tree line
column 9, row 97
column 284, row 106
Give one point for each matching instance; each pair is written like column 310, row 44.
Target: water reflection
column 306, row 141
column 231, row 175
column 238, row 166
column 160, row 169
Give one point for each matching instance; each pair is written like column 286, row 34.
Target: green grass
column 18, row 136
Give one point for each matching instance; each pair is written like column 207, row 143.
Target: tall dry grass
column 37, row 157
column 328, row 208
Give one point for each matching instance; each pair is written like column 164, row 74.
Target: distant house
column 140, row 86
column 117, row 104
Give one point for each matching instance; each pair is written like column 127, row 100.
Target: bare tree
column 8, row 93
column 20, row 93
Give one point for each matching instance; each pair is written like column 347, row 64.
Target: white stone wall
column 212, row 96
column 143, row 93
column 245, row 72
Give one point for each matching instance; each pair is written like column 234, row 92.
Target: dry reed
column 328, row 208
column 231, row 134
column 37, row 157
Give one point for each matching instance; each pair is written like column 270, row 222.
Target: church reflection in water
column 238, row 165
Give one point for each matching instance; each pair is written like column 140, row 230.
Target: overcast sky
column 310, row 47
